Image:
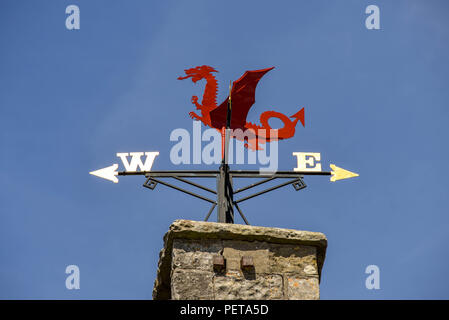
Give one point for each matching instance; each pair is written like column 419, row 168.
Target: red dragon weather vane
column 229, row 116
column 243, row 97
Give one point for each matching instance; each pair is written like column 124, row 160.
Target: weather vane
column 229, row 118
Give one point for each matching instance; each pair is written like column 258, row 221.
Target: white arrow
column 108, row 173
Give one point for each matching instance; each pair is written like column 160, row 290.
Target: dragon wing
column 243, row 95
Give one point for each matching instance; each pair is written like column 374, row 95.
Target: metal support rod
column 268, row 190
column 169, row 174
column 210, row 211
column 254, row 185
column 277, row 174
column 225, row 196
column 195, row 185
column 241, row 213
column 224, row 179
column 179, row 189
column 214, row 173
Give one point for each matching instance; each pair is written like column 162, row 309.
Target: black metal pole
column 224, row 182
column 225, row 196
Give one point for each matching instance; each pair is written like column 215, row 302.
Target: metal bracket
column 298, row 185
column 224, row 186
column 150, row 184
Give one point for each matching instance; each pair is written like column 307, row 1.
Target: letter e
column 307, row 161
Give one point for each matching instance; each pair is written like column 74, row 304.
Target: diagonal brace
column 147, row 185
column 269, row 189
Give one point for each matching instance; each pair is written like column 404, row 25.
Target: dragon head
column 197, row 73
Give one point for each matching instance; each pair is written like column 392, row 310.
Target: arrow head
column 108, row 173
column 340, row 174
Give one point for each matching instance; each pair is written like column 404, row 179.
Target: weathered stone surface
column 291, row 258
column 234, row 250
column 267, row 287
column 287, row 263
column 195, row 254
column 212, row 230
column 302, row 288
column 192, row 285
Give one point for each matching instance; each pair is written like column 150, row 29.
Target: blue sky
column 376, row 103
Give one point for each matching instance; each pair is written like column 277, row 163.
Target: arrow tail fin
column 300, row 115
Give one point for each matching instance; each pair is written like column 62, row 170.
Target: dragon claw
column 194, row 116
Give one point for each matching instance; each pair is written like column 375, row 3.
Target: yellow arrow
column 340, row 174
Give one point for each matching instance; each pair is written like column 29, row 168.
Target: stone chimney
column 219, row 261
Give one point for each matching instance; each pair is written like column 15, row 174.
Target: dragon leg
column 194, row 116
column 195, row 103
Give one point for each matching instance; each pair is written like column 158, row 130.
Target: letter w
column 136, row 161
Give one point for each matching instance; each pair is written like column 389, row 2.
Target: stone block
column 234, row 250
column 302, row 288
column 293, row 259
column 195, row 254
column 267, row 287
column 192, row 285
